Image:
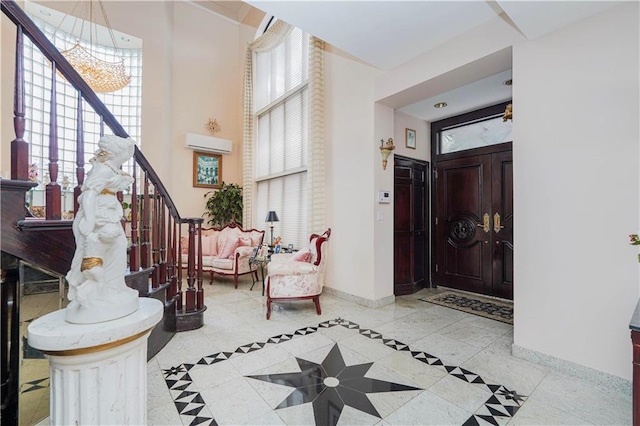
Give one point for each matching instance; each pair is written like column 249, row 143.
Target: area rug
column 474, row 304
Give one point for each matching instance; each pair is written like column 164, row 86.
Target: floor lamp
column 272, row 216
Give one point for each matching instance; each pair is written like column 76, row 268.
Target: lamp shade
column 272, row 216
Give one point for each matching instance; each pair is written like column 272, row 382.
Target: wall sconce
column 508, row 113
column 385, row 150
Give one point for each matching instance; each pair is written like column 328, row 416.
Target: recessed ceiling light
column 440, row 105
column 45, row 13
column 507, row 82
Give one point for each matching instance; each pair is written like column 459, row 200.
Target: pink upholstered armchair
column 300, row 275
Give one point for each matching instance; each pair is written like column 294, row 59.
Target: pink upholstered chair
column 300, row 275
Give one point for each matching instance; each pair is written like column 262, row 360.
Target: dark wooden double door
column 473, row 221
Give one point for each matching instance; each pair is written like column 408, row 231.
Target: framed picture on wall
column 207, row 170
column 410, row 138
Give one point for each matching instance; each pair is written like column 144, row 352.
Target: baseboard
column 605, row 381
column 360, row 300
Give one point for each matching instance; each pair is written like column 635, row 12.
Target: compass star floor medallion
column 330, row 386
column 310, row 374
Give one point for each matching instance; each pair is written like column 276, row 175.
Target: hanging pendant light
column 101, row 76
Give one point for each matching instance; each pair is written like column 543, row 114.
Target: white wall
column 192, row 71
column 425, row 73
column 350, row 160
column 206, row 80
column 362, row 239
column 401, row 122
column 448, row 64
column 576, row 162
column 383, row 213
column 576, row 188
column 576, row 158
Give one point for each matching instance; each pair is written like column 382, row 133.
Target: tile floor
column 34, row 368
column 407, row 363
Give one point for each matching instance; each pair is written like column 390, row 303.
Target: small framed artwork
column 410, row 138
column 207, row 170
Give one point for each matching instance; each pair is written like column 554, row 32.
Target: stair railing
column 156, row 226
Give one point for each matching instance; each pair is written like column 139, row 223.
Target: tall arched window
column 281, row 108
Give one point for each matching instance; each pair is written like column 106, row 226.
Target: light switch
column 380, row 216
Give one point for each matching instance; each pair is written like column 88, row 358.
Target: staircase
column 156, row 227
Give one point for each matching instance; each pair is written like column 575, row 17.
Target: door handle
column 486, row 227
column 496, row 223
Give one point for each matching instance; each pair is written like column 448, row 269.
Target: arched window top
column 282, row 69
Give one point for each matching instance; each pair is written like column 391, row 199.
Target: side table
column 261, row 262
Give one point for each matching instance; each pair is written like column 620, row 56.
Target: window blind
column 281, row 105
column 283, row 136
column 281, row 69
column 287, row 196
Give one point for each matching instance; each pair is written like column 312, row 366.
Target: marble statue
column 97, row 289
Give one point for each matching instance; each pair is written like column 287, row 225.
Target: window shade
column 282, row 134
column 287, row 196
column 281, row 69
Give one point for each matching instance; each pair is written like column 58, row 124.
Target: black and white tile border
column 34, row 385
column 497, row 410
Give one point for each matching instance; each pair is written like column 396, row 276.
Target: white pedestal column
column 98, row 371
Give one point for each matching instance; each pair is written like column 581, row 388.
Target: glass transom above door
column 475, row 135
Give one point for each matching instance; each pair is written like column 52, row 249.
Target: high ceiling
column 386, row 34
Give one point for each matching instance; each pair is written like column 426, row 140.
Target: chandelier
column 101, row 76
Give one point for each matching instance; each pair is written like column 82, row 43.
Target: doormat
column 478, row 305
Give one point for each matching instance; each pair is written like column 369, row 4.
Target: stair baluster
column 199, row 271
column 53, row 193
column 171, row 259
column 145, row 214
column 19, row 148
column 179, row 301
column 162, row 263
column 52, row 236
column 134, row 248
column 155, row 246
column 79, row 155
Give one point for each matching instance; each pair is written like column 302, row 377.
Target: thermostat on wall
column 384, row 197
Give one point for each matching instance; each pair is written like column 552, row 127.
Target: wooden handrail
column 155, row 225
column 153, row 241
column 14, row 12
column 19, row 17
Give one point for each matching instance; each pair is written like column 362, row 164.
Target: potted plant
column 224, row 205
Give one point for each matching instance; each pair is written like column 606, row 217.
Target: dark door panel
column 473, row 235
column 402, row 261
column 461, row 206
column 420, row 224
column 502, row 207
column 402, row 205
column 411, row 221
